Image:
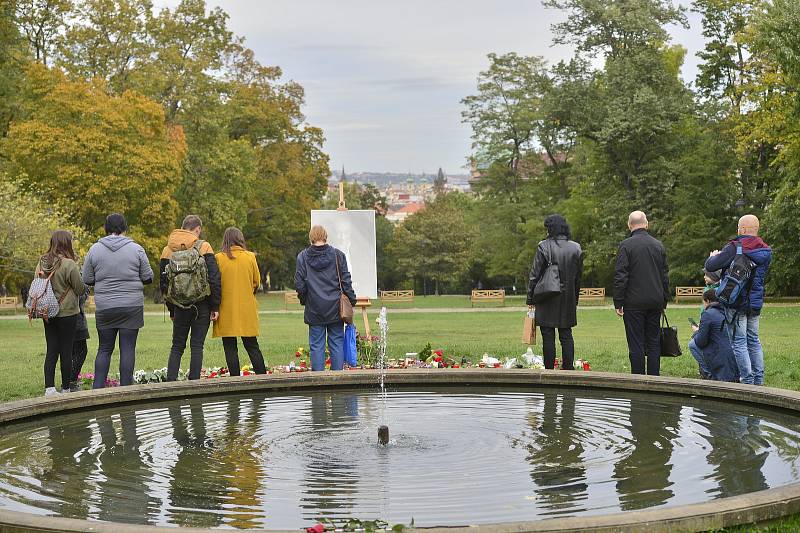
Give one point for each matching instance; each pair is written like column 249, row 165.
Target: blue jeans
column 697, row 353
column 743, row 330
column 316, row 339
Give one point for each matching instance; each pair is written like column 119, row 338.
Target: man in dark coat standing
column 641, row 290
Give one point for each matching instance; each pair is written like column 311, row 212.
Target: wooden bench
column 593, row 294
column 290, row 298
column 494, row 295
column 397, row 296
column 689, row 292
column 9, row 302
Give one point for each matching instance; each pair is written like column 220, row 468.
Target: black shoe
column 75, row 386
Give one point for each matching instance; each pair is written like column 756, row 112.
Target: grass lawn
column 599, row 337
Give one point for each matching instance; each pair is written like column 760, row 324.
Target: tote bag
column 549, row 284
column 345, row 307
column 670, row 347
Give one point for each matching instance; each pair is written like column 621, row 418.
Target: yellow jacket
column 238, row 311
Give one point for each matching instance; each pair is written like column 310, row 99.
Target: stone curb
column 749, row 508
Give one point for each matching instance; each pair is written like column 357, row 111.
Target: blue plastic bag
column 350, row 353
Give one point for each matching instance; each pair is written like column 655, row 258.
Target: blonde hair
column 317, row 233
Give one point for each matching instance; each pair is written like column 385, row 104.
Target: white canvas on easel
column 353, row 232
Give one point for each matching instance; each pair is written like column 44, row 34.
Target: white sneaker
column 51, row 391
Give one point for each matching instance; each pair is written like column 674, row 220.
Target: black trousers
column 232, row 354
column 195, row 322
column 642, row 331
column 59, row 334
column 79, row 352
column 549, row 347
column 106, row 339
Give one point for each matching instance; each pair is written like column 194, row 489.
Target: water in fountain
column 383, row 323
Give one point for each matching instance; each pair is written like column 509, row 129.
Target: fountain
column 501, row 448
column 383, row 323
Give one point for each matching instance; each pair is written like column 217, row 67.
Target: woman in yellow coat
column 238, row 310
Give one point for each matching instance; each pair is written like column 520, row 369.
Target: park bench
column 397, row 296
column 688, row 292
column 290, row 297
column 493, row 295
column 593, row 294
column 9, row 302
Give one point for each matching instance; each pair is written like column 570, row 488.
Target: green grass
column 599, row 337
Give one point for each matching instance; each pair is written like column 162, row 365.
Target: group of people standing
column 725, row 343
column 118, row 268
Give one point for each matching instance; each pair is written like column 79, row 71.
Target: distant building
column 398, row 215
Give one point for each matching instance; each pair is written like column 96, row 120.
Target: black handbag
column 549, row 285
column 670, row 347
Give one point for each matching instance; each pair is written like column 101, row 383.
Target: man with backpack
column 190, row 282
column 745, row 263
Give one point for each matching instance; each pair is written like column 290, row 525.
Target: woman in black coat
column 559, row 311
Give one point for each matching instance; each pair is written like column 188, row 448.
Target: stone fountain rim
column 748, row 508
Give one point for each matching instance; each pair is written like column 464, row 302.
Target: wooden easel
column 362, row 303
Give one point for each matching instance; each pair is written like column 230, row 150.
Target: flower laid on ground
column 86, row 380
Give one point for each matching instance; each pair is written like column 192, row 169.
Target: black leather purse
column 549, row 285
column 670, row 347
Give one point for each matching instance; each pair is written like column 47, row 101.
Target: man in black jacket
column 641, row 290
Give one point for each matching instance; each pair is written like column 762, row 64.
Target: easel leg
column 366, row 321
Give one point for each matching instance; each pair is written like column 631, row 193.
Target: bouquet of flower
column 86, row 380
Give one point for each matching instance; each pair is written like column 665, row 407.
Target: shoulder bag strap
column 338, row 274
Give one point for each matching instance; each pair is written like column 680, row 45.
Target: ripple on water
column 282, row 461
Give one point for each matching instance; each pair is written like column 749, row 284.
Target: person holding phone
column 710, row 344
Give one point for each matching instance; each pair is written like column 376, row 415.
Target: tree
column 26, row 223
column 41, row 23
column 435, row 242
column 88, row 153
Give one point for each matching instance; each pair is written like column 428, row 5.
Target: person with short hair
column 118, row 268
column 196, row 318
column 641, row 291
column 322, row 274
column 238, row 308
column 710, row 344
column 59, row 263
column 744, row 314
column 557, row 312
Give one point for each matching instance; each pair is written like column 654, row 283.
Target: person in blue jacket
column 743, row 315
column 321, row 276
column 710, row 344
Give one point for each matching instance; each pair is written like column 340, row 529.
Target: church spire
column 343, row 176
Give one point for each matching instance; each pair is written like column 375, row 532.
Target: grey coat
column 118, row 268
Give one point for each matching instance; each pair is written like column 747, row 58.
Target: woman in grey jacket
column 118, row 268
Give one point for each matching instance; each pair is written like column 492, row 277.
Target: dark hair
column 710, row 296
column 232, row 237
column 556, row 226
column 191, row 222
column 115, row 223
column 60, row 245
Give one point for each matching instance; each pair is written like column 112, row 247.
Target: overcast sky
column 384, row 80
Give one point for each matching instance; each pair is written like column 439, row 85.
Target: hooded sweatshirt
column 66, row 282
column 317, row 284
column 118, row 268
column 759, row 253
column 181, row 239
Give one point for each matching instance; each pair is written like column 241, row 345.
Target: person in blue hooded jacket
column 743, row 315
column 322, row 274
column 710, row 345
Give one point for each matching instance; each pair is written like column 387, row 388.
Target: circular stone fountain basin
column 515, row 450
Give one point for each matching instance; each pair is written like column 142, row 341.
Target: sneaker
column 51, row 391
column 74, row 386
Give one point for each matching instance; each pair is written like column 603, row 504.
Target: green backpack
column 187, row 277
